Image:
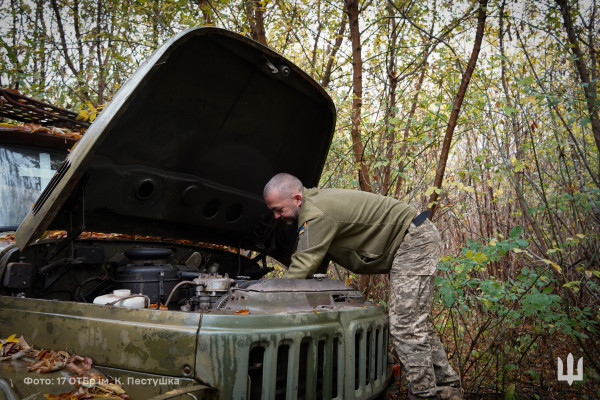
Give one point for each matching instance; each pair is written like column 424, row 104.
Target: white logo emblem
column 569, row 377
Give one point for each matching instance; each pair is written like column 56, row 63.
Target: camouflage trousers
column 412, row 282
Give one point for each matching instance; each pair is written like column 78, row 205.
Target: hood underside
column 187, row 144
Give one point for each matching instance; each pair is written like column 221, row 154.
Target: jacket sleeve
column 314, row 240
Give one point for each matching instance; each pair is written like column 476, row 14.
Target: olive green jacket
column 360, row 231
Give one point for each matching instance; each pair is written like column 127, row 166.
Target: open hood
column 186, row 145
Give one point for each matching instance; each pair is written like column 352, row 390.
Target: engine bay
column 161, row 275
column 166, row 275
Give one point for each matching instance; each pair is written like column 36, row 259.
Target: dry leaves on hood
column 88, row 384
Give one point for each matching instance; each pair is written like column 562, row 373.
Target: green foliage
column 533, row 295
column 465, row 271
column 503, row 319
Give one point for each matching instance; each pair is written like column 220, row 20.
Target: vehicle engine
column 175, row 277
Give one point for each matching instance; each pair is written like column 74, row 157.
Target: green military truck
column 146, row 251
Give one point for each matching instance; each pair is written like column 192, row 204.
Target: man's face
column 286, row 208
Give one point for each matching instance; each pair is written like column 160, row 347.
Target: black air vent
column 62, row 170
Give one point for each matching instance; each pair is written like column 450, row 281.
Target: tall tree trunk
column 256, row 19
column 41, row 35
column 391, row 113
column 101, row 61
column 409, row 119
column 589, row 85
column 77, row 29
column 14, row 53
column 466, row 78
column 338, row 43
column 81, row 89
column 154, row 19
column 357, row 145
column 313, row 61
column 364, row 281
column 206, row 13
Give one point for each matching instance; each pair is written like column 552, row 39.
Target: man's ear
column 298, row 199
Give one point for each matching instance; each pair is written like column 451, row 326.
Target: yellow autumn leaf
column 11, row 339
column 480, row 257
column 519, row 166
column 556, row 267
column 83, row 115
column 553, row 265
column 432, row 189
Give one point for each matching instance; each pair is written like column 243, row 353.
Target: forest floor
column 397, row 390
column 504, row 370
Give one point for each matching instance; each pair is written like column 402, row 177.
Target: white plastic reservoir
column 119, row 299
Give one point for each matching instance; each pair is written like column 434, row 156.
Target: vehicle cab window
column 24, row 173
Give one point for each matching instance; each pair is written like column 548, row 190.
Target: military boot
column 411, row 396
column 451, row 393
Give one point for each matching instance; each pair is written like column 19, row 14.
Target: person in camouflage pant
column 412, row 282
column 373, row 234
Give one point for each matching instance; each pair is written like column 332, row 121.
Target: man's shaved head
column 285, row 184
column 283, row 196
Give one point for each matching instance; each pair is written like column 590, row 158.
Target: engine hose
column 112, row 303
column 177, row 287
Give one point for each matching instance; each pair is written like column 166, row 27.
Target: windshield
column 24, row 173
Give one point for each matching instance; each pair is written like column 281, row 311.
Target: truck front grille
column 310, row 368
column 330, row 354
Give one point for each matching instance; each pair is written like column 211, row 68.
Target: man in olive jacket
column 372, row 234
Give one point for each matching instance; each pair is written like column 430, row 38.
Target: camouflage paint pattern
column 334, row 352
column 412, row 282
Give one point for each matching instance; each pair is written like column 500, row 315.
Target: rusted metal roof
column 25, row 109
